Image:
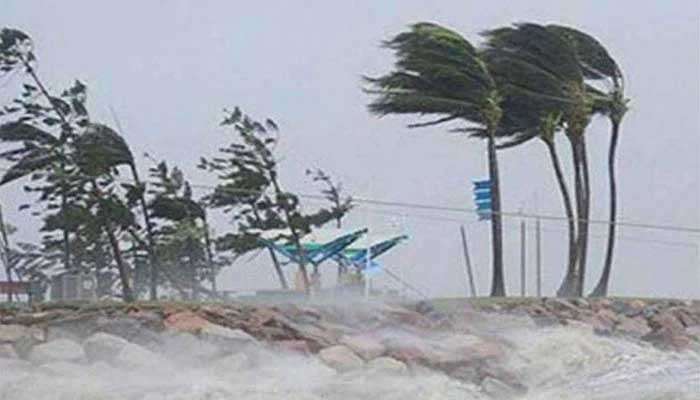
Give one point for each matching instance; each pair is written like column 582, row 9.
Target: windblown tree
column 439, row 73
column 251, row 190
column 39, row 113
column 599, row 66
column 332, row 191
column 548, row 74
column 182, row 233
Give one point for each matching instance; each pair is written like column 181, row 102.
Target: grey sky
column 168, row 68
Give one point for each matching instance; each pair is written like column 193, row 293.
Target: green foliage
column 437, row 72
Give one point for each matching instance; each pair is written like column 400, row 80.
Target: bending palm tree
column 440, row 73
column 536, row 65
column 598, row 65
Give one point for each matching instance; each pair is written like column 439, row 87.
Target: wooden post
column 467, row 262
column 538, row 254
column 522, row 258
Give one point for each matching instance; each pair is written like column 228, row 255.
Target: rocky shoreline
column 448, row 337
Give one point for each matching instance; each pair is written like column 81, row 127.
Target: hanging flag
column 482, row 198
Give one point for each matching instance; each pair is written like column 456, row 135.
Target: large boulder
column 666, row 320
column 57, row 350
column 192, row 323
column 103, row 346
column 633, row 327
column 134, row 329
column 340, row 358
column 365, row 346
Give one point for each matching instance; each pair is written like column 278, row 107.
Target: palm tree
column 438, row 72
column 536, row 65
column 598, row 65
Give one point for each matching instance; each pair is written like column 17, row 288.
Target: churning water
column 555, row 363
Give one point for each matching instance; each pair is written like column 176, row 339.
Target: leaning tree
column 439, row 73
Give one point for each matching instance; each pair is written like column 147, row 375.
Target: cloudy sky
column 168, row 68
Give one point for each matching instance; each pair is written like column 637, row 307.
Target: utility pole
column 467, row 262
column 522, row 258
column 538, row 255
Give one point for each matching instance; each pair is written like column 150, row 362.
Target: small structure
column 73, row 286
column 355, row 253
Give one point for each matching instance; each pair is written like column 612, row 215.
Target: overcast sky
column 168, row 68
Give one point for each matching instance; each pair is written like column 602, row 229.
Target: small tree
column 251, row 190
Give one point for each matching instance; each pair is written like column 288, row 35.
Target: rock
column 627, row 308
column 185, row 321
column 340, row 358
column 685, row 316
column 57, row 350
column 293, row 346
column 693, row 332
column 561, row 307
column 633, row 327
column 135, row 356
column 131, row 329
column 668, row 339
column 7, row 351
column 192, row 323
column 665, row 320
column 467, row 349
column 224, row 336
column 365, row 346
column 387, row 365
column 13, row 333
column 103, row 346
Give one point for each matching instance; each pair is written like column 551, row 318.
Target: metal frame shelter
column 357, row 249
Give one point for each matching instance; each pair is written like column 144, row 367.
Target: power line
column 514, row 227
column 419, row 206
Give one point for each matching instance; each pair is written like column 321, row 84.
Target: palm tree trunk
column 575, row 289
column 153, row 257
column 498, row 288
column 583, row 233
column 566, row 286
column 601, row 289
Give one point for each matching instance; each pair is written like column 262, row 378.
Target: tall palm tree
column 598, row 65
column 536, row 65
column 438, row 72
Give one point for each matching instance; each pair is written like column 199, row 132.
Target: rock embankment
column 667, row 324
column 393, row 340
